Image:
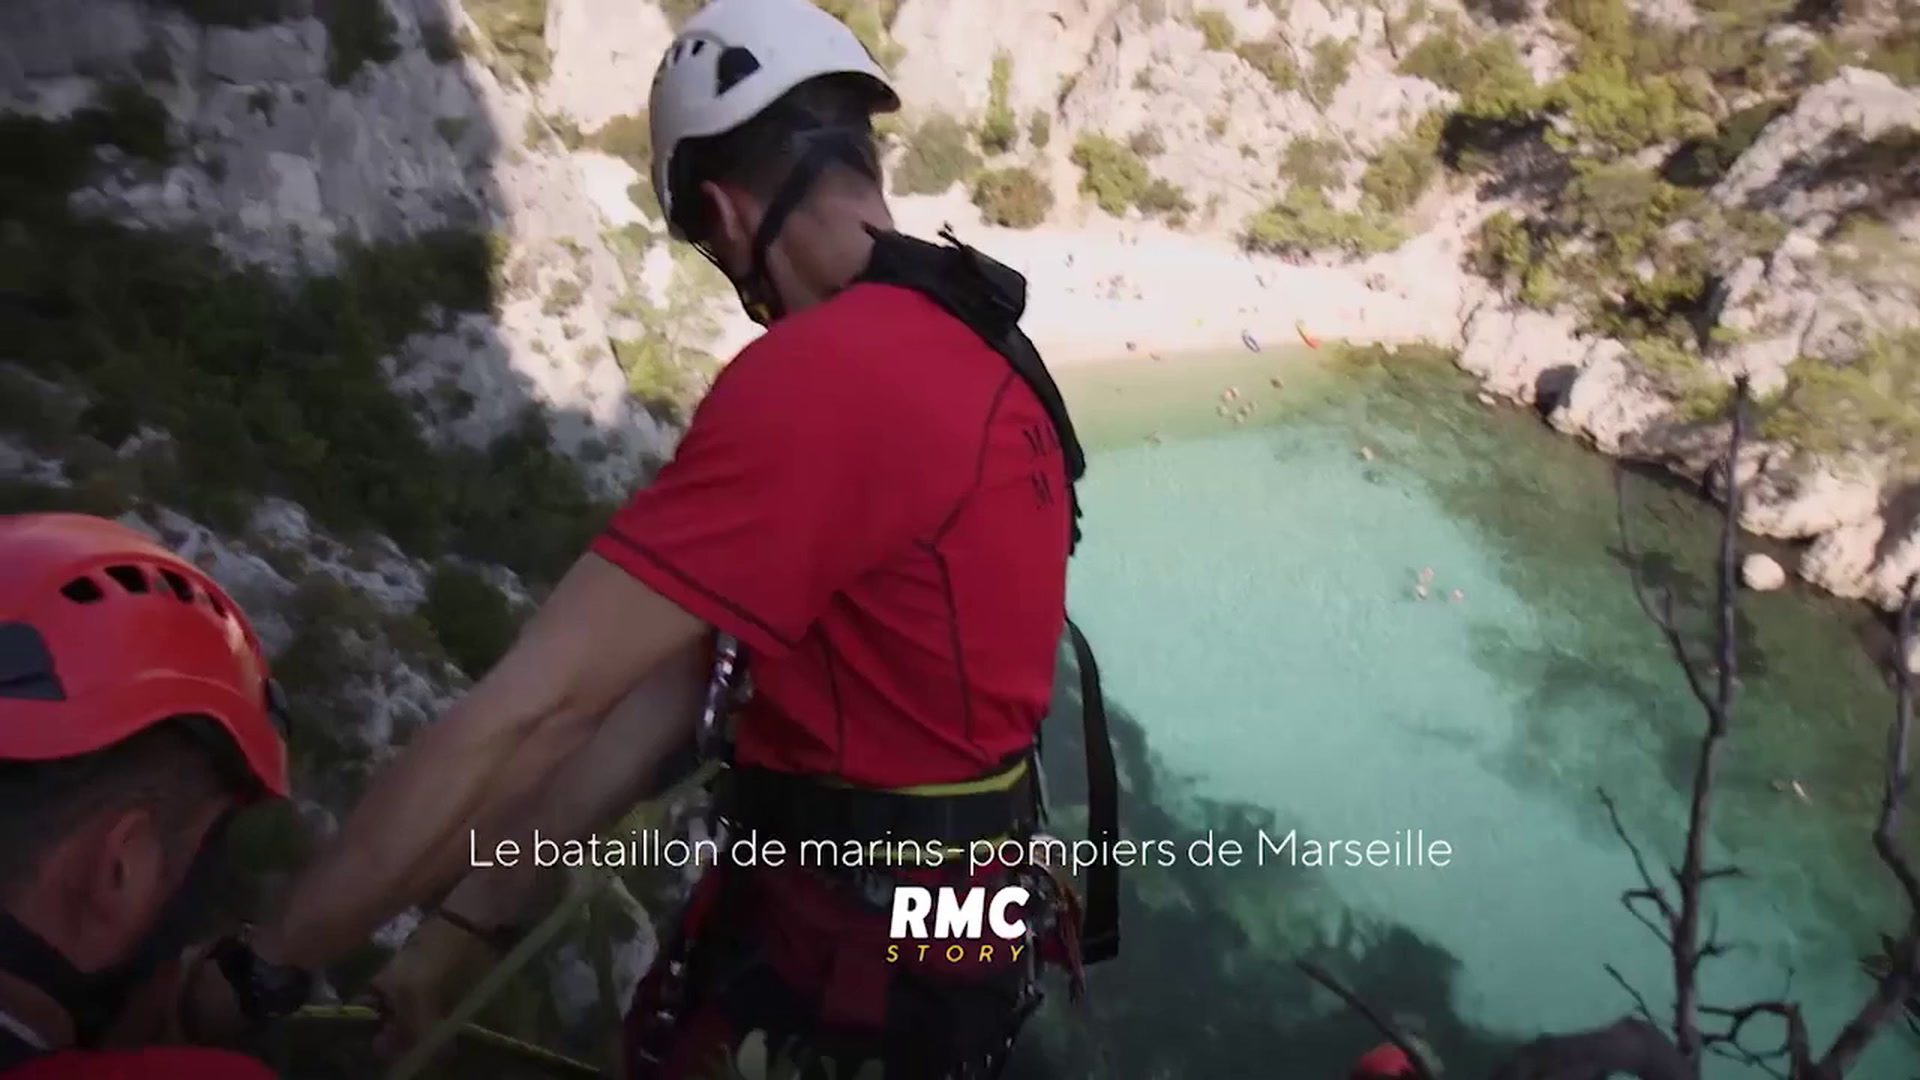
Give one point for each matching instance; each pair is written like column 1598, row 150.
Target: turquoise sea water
column 1250, row 591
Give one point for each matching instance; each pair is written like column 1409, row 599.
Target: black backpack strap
column 1100, row 926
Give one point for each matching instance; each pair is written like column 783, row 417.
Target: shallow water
column 1250, row 591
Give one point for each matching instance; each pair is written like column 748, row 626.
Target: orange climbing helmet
column 104, row 633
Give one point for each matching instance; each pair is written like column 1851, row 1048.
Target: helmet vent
column 82, row 590
column 26, row 667
column 130, row 578
column 735, row 64
column 177, row 585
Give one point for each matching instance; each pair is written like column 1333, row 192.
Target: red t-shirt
column 876, row 505
column 143, row 1063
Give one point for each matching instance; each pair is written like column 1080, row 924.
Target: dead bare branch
column 1637, row 1046
column 1640, row 1006
column 1690, row 875
column 1661, row 615
column 1649, row 890
column 1422, row 1068
column 1631, row 1046
column 1793, row 1044
column 1901, row 980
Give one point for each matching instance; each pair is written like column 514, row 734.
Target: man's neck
column 839, row 252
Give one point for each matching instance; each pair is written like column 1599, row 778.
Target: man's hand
column 414, row 989
column 205, row 1008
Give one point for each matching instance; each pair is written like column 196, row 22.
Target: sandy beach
column 1104, row 288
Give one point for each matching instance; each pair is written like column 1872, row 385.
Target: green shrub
column 441, row 44
column 641, row 194
column 1166, row 198
column 938, row 157
column 1111, row 172
column 1870, row 405
column 999, row 130
column 679, row 11
column 1604, row 25
column 1014, row 197
column 1898, row 53
column 665, row 379
column 1315, row 162
column 1040, row 130
column 1702, row 162
column 1215, row 27
column 668, row 367
column 474, row 621
column 268, row 387
column 1146, row 143
column 518, row 31
column 565, row 295
column 1304, row 222
column 868, row 20
column 127, row 116
column 628, row 138
column 1622, row 206
column 1273, row 59
column 520, row 503
column 1492, row 80
column 359, row 32
column 1613, row 110
column 630, row 244
column 1402, row 170
column 1332, row 64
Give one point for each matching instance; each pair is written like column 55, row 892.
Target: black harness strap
column 15, row 1051
column 990, row 297
column 1100, row 922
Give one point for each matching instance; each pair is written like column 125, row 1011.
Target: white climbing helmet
column 736, row 57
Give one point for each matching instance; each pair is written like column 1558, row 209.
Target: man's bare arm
column 618, row 767
column 595, row 638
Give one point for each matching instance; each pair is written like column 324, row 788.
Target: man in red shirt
column 875, row 501
column 135, row 717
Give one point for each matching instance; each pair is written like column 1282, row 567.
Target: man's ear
column 731, row 238
column 119, row 884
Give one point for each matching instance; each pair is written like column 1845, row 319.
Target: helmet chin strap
column 93, row 1000
column 756, row 290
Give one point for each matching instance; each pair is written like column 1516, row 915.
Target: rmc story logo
column 958, row 918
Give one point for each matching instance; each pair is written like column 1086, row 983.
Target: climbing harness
column 1010, row 802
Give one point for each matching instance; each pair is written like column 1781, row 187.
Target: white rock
column 1761, row 573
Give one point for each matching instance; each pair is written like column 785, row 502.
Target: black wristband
column 265, row 992
column 501, row 938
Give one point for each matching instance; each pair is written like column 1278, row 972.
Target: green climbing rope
column 582, row 886
column 539, row 1055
